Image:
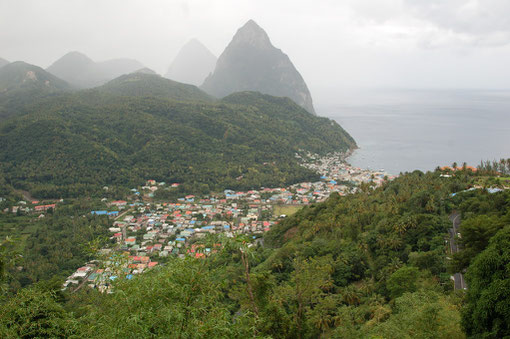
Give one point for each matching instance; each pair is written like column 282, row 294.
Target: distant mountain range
column 82, row 72
column 60, row 137
column 193, row 64
column 3, row 62
column 251, row 63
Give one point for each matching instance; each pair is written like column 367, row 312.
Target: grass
column 487, row 180
column 286, row 209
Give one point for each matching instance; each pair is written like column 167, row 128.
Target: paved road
column 458, row 278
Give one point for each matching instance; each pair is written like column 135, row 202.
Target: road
column 458, row 278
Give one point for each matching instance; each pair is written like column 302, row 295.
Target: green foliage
column 402, row 280
column 22, row 84
column 33, row 313
column 423, row 314
column 51, row 247
column 487, row 311
column 183, row 300
column 368, row 265
column 141, row 84
column 67, row 148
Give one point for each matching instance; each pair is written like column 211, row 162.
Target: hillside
column 143, row 83
column 251, row 63
column 374, row 264
column 78, row 143
column 193, row 64
column 22, row 84
column 82, row 72
column 3, row 62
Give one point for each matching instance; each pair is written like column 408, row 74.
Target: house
column 119, row 203
column 130, row 241
column 42, row 208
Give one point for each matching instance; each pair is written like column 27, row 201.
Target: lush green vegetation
column 76, row 144
column 22, row 84
column 369, row 265
column 143, row 84
column 42, row 249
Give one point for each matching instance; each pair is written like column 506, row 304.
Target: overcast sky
column 333, row 43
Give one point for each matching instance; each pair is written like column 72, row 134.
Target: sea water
column 404, row 130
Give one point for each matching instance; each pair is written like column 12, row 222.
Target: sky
column 334, row 44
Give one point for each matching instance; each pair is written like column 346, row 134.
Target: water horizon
column 407, row 130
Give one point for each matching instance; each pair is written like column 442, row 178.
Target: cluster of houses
column 146, row 232
column 100, row 274
column 341, row 177
column 34, row 206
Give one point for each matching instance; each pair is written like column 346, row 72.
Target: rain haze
column 358, row 43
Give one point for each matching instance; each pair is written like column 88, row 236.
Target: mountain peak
column 251, row 63
column 145, row 70
column 20, row 75
column 83, row 72
column 252, row 34
column 193, row 63
column 75, row 57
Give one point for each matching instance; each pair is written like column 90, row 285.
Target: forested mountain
column 3, row 62
column 193, row 64
column 143, row 83
column 77, row 143
column 251, row 63
column 82, row 72
column 369, row 265
column 19, row 76
column 22, row 84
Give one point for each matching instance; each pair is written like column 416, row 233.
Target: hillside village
column 146, row 232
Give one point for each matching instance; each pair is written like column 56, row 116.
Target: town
column 146, row 232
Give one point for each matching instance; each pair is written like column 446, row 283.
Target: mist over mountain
column 3, row 62
column 193, row 64
column 251, row 63
column 82, row 72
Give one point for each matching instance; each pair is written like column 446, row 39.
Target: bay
column 404, row 130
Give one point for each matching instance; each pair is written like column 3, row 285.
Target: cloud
column 463, row 22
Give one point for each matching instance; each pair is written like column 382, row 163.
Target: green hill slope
column 22, row 84
column 20, row 75
column 77, row 143
column 374, row 264
column 143, row 83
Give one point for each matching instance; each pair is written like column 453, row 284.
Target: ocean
column 405, row 130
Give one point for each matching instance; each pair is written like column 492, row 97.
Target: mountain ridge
column 145, row 83
column 84, row 140
column 83, row 72
column 22, row 84
column 3, row 62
